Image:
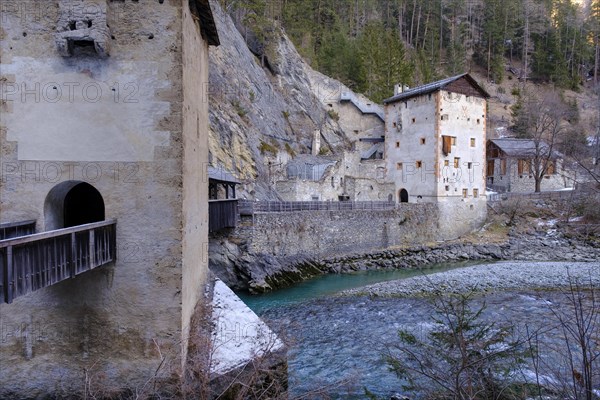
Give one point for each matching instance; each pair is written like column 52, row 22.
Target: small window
column 465, row 193
column 423, row 140
column 414, row 120
column 356, row 131
column 475, row 193
column 397, row 145
column 456, row 162
column 470, row 165
column 395, row 125
column 446, row 163
column 453, row 140
column 447, row 188
column 444, row 117
column 478, row 121
column 419, row 164
column 332, row 181
column 473, row 142
column 399, row 166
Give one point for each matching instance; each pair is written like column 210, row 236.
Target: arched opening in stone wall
column 73, row 203
column 403, row 196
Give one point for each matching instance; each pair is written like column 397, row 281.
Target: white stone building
column 512, row 163
column 435, row 149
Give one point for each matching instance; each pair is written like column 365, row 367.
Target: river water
column 336, row 343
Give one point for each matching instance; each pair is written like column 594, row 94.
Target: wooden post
column 73, row 263
column 92, row 250
column 9, row 275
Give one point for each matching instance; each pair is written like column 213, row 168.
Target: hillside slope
column 261, row 116
column 264, row 110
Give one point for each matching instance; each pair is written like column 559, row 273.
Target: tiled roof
column 514, row 147
column 221, row 175
column 433, row 87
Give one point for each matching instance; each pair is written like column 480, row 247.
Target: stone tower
column 103, row 151
column 435, row 149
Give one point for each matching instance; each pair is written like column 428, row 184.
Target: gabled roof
column 513, row 147
column 208, row 27
column 308, row 167
column 221, row 175
column 435, row 86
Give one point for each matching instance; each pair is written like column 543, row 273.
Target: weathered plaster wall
column 460, row 216
column 513, row 182
column 127, row 143
column 360, row 180
column 408, row 122
column 195, row 170
column 357, row 125
column 465, row 119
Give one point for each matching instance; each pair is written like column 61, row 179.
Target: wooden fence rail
column 32, row 262
column 16, row 229
column 549, row 195
column 251, row 207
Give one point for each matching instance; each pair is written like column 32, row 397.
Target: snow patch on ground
column 239, row 335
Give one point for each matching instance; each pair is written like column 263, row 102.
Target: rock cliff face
column 263, row 110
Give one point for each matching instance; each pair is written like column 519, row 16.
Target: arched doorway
column 403, row 196
column 73, row 203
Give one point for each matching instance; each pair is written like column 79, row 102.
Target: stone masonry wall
column 273, row 250
column 321, row 234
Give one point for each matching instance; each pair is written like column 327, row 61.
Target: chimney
column 405, row 88
column 397, row 89
column 316, row 143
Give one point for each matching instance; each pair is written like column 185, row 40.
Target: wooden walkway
column 32, row 262
column 16, row 229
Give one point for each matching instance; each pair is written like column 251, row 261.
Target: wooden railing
column 251, row 207
column 32, row 262
column 16, row 229
column 222, row 214
column 546, row 195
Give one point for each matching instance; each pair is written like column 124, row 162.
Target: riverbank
column 489, row 278
column 526, row 232
column 263, row 273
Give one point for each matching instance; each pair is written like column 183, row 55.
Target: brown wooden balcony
column 35, row 261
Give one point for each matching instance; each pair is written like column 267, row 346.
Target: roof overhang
column 435, row 86
column 202, row 11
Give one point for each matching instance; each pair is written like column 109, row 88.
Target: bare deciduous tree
column 543, row 120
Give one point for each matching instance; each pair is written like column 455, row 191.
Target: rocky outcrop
column 260, row 116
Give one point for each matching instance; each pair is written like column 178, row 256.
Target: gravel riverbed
column 500, row 276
